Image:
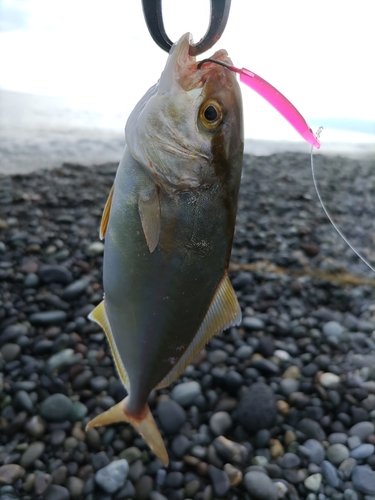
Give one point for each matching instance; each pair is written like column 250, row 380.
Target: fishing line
column 326, row 211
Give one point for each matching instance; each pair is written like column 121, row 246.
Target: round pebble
column 260, row 486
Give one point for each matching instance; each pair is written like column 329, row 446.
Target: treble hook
column 218, row 19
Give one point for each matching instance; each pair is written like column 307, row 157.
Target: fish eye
column 211, row 114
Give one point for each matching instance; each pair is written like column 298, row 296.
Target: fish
column 168, row 227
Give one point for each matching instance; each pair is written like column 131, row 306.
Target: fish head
column 188, row 129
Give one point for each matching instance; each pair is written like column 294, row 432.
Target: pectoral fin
column 145, row 425
column 99, row 315
column 223, row 312
column 149, row 211
column 105, row 216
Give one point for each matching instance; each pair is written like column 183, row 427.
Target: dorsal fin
column 224, row 311
column 99, row 315
column 105, row 216
column 149, row 211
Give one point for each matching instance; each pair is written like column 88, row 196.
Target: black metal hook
column 152, row 12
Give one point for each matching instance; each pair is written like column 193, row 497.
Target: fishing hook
column 152, row 12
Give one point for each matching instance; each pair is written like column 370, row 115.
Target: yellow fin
column 146, row 426
column 99, row 315
column 223, row 312
column 105, row 216
column 149, row 211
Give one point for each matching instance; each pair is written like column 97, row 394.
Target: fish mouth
column 182, row 69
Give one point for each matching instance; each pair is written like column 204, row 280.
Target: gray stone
column 260, row 486
column 311, row 429
column 54, row 274
column 350, row 494
column 36, row 426
column 56, row 492
column 48, row 318
column 329, row 379
column 10, row 352
column 75, row 289
column 41, row 483
column 31, row 280
column 56, row 408
column 329, row 473
column 244, row 352
column 60, row 360
column 362, row 451
column 363, row 479
column 353, row 442
column 362, row 429
column 220, row 423
column 313, row 450
column 230, row 451
column 12, row 332
column 346, row 468
column 32, row 453
column 185, row 394
column 23, row 401
column 112, row 477
column 131, row 454
column 10, row 473
column 217, row 356
column 257, row 408
column 171, row 416
column 288, row 386
column 220, row 481
column 313, row 482
column 337, row 437
column 78, row 411
column 290, row 461
column 252, row 323
column 75, row 486
column 333, row 329
column 94, row 249
column 337, row 453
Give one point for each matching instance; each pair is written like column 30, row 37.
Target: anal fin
column 224, row 311
column 149, row 211
column 99, row 315
column 105, row 216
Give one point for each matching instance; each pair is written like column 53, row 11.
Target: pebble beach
column 281, row 407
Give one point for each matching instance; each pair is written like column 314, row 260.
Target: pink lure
column 279, row 102
column 274, row 97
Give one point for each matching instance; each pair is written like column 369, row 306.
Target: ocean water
column 39, row 132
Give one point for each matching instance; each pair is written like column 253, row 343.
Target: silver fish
column 168, row 226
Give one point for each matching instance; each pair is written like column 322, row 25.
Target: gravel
column 282, row 406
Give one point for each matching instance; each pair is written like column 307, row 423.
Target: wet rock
column 220, row 481
column 54, row 274
column 230, row 451
column 257, row 408
column 9, row 473
column 32, row 453
column 363, row 479
column 220, row 423
column 185, row 394
column 56, row 408
column 171, row 416
column 260, row 486
column 113, row 476
column 47, row 318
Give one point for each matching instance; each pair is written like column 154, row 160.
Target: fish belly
column 156, row 302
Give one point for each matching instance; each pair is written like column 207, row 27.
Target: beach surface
column 281, row 407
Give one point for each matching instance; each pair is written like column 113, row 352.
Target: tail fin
column 146, row 426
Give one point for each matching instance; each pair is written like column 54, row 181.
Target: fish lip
column 181, row 69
